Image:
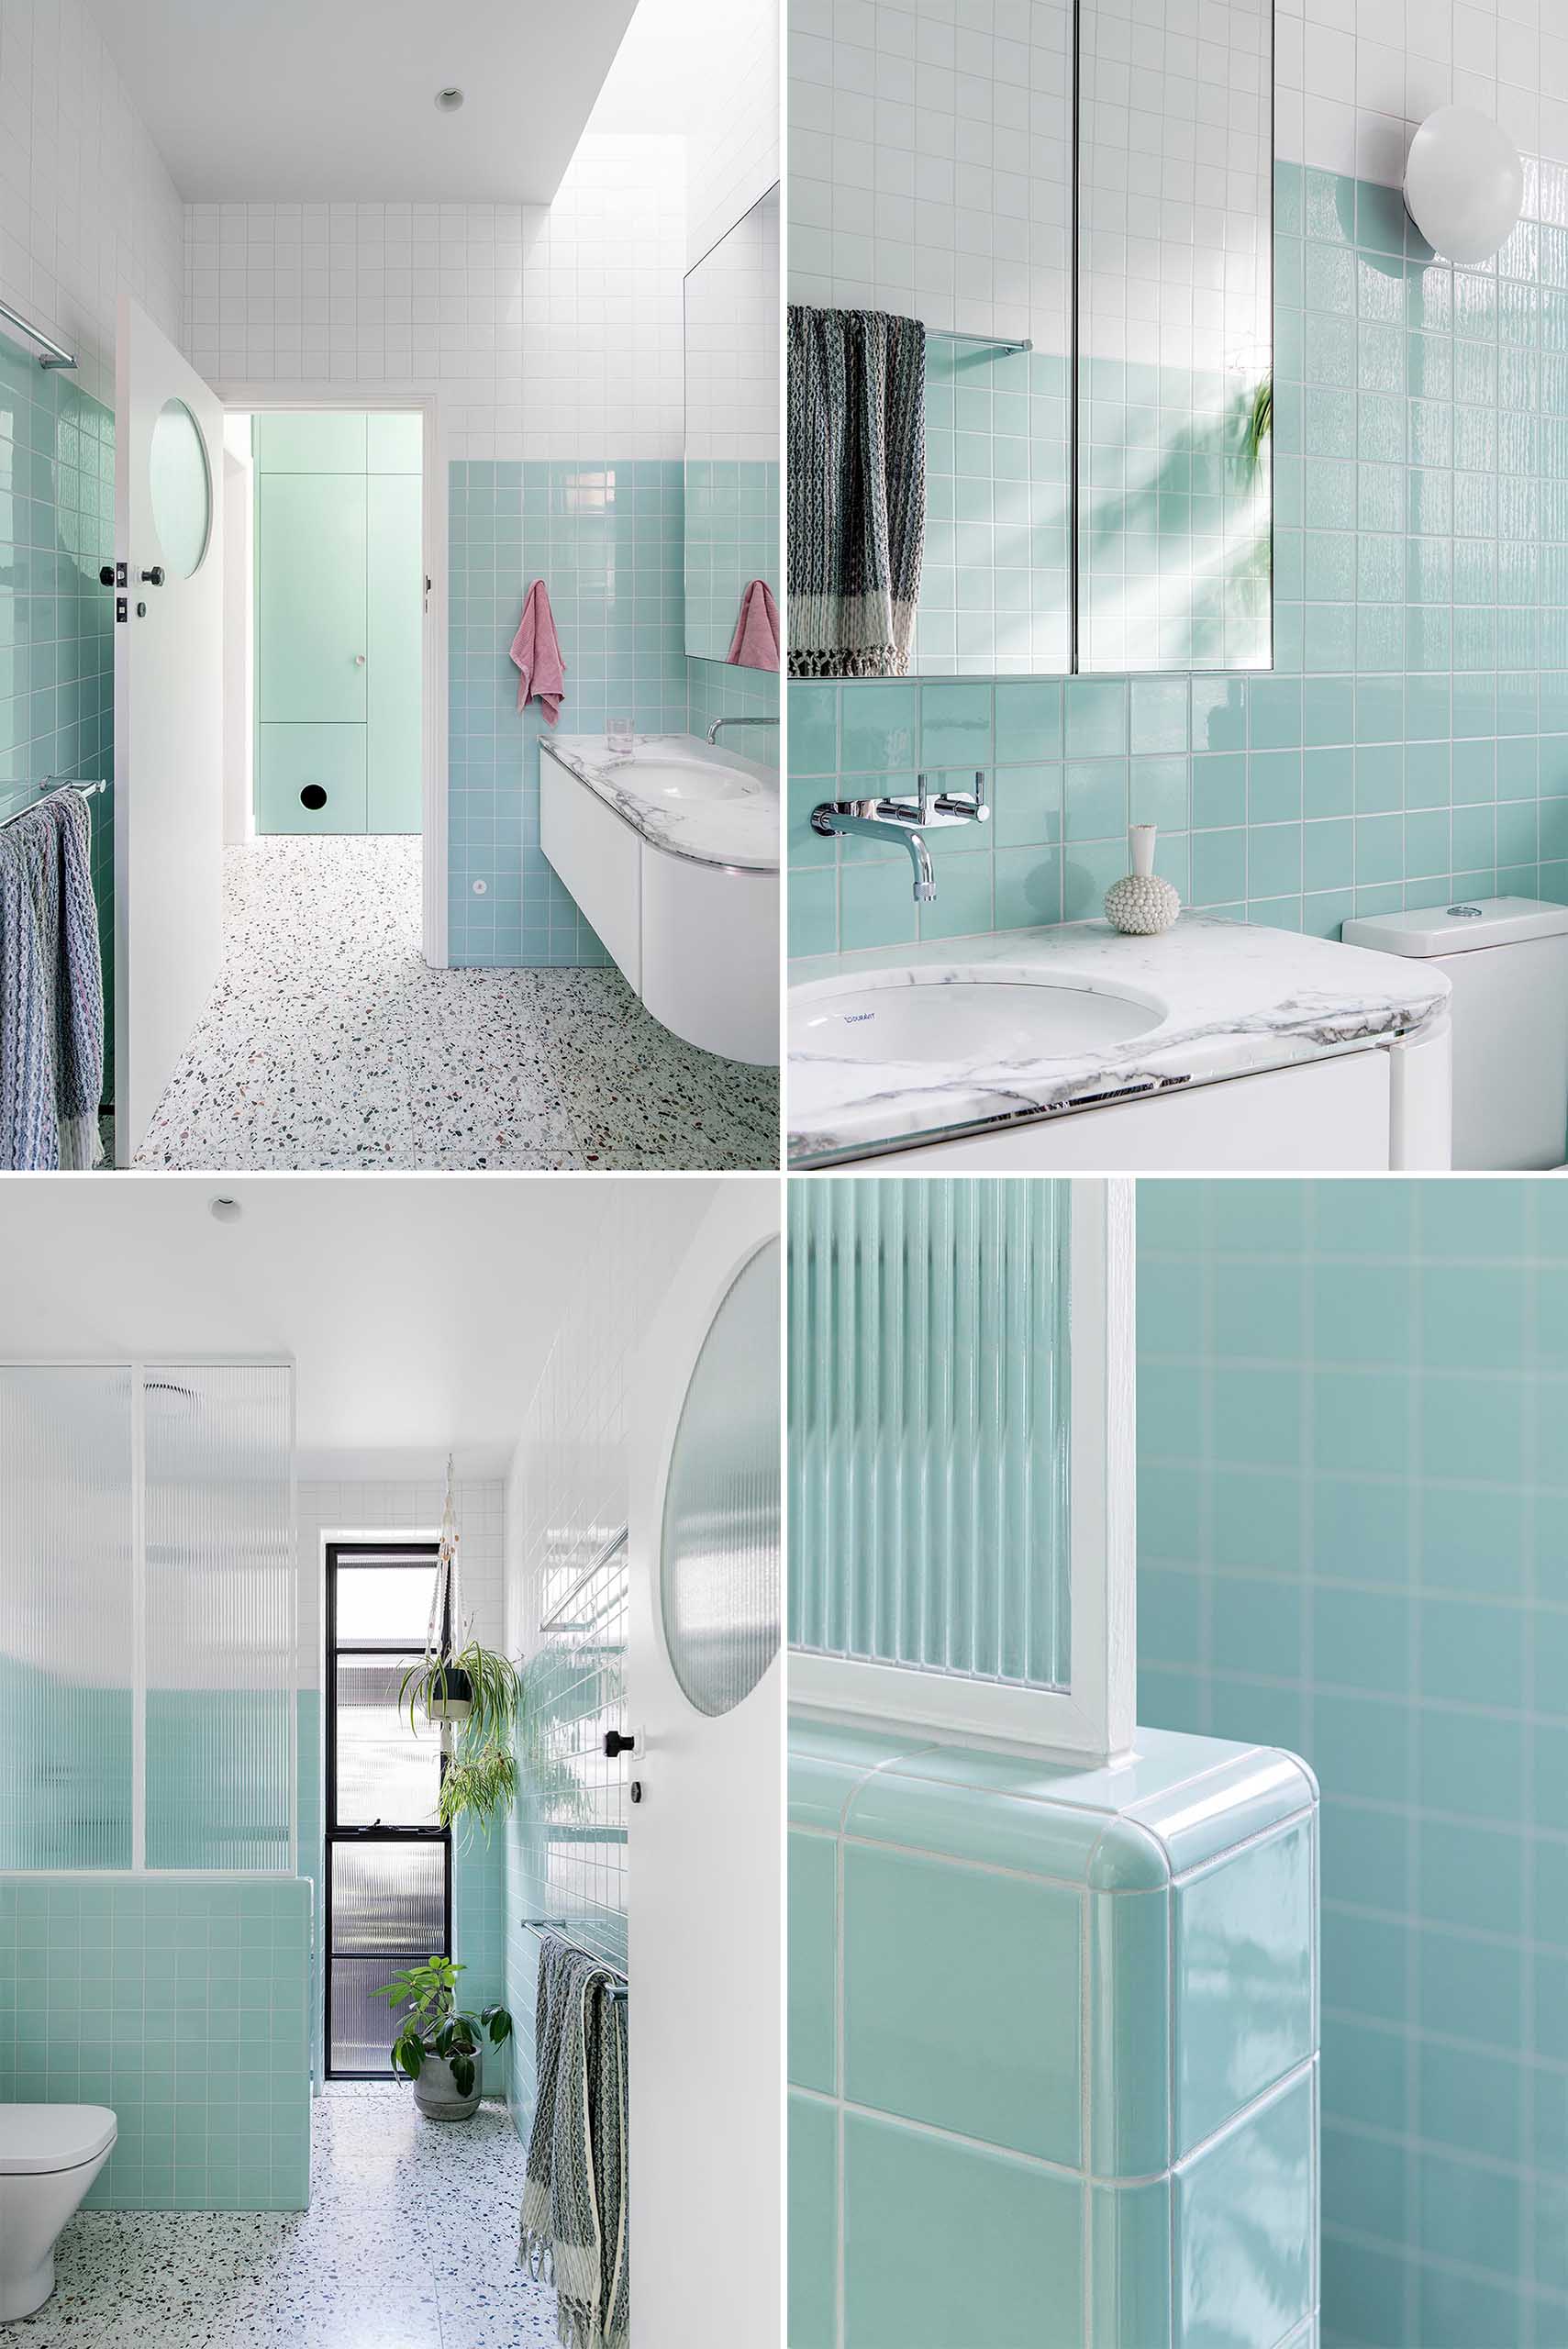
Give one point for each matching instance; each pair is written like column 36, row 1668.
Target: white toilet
column 1507, row 959
column 49, row 2155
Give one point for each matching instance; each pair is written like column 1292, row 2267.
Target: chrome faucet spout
column 713, row 730
column 854, row 818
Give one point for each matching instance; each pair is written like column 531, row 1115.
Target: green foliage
column 1260, row 422
column 435, row 2025
column 493, row 1690
column 481, row 1786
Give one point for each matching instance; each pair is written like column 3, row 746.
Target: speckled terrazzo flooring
column 329, row 1043
column 410, row 2242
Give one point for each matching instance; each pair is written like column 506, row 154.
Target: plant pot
column 437, row 2095
column 455, row 1700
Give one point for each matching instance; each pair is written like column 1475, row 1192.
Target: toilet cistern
column 907, row 821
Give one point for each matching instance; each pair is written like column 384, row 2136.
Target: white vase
column 1141, row 904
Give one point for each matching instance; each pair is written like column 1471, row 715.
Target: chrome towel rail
column 557, row 1926
column 52, row 783
column 60, row 356
column 1000, row 343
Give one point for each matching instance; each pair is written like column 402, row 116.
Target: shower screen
column 148, row 1580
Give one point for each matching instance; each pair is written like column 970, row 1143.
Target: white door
column 168, row 714
column 704, row 1857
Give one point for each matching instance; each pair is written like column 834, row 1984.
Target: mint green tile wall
column 57, row 660
column 731, row 530
column 1353, row 1534
column 714, row 689
column 1412, row 743
column 1051, row 2047
column 185, row 2008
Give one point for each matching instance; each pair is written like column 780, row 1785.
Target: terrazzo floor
column 410, row 2242
column 328, row 1042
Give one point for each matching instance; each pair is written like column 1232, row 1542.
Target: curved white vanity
column 672, row 850
column 1218, row 1045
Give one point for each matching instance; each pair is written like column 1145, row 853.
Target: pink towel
column 536, row 649
column 755, row 644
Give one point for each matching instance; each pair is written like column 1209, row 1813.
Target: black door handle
column 106, row 575
column 616, row 1744
column 154, row 577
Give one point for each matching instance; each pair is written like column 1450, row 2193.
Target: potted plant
column 473, row 1696
column 439, row 2046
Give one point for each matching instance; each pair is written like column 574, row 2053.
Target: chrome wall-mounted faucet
column 906, row 821
column 713, row 730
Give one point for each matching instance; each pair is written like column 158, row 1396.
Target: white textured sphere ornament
column 1141, row 904
column 1465, row 184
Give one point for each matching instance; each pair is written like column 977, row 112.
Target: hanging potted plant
column 439, row 2046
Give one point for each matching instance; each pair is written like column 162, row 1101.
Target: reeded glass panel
column 379, row 1604
column 388, row 1898
column 66, row 1618
column 929, row 1425
column 220, row 1618
column 1176, row 335
column 384, row 1771
column 180, row 485
column 363, row 2026
column 720, row 1574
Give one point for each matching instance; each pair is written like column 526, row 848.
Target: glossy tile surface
column 1245, row 2232
column 813, row 1921
column 410, row 2243
column 328, row 1042
column 911, row 1931
column 954, row 2243
column 1392, row 1592
column 1243, row 1988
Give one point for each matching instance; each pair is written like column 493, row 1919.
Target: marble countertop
column 1235, row 998
column 656, row 788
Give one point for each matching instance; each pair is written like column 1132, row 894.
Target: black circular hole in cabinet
column 313, row 797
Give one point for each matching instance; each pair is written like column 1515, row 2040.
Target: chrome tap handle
column 977, row 809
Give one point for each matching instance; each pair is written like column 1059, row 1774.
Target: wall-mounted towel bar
column 52, row 783
column 556, row 1926
column 998, row 343
column 58, row 357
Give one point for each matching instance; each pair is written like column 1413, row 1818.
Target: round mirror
column 180, row 485
column 719, row 1571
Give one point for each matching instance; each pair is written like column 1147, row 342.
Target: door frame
column 362, row 399
column 368, row 1547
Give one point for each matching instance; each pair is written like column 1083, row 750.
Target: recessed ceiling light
column 449, row 100
column 224, row 1210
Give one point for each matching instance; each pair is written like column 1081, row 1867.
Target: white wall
column 734, row 149
column 544, row 332
column 1354, row 78
column 86, row 202
column 330, row 1508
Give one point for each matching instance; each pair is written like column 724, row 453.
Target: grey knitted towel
column 51, row 989
column 574, row 2189
column 857, row 490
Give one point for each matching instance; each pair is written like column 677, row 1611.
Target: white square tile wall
column 929, row 158
column 86, row 205
column 734, row 153
column 546, row 332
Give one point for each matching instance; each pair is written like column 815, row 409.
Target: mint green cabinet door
column 395, row 443
column 396, row 639
column 310, row 598
column 295, row 760
column 332, row 441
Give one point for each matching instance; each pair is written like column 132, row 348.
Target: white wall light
column 1465, row 184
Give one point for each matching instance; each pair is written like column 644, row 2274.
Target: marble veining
column 1235, row 998
column 330, row 1042
column 410, row 2243
column 647, row 789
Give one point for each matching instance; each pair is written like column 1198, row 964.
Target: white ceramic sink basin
column 971, row 1017
column 666, row 774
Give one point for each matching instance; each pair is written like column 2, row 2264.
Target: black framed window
column 389, row 1860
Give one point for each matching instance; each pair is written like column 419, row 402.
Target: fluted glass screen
column 389, row 1900
column 220, row 1600
column 928, row 1426
column 66, row 1618
column 720, row 1570
column 383, row 1770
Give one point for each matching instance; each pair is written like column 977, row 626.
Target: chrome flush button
column 1464, row 913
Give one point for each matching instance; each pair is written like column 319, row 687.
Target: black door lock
column 616, row 1744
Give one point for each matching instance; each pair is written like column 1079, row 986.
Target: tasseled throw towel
column 51, row 989
column 574, row 2194
column 857, row 490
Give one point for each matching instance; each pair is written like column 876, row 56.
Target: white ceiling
column 294, row 101
column 419, row 1312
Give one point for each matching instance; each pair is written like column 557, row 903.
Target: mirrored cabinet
column 1080, row 217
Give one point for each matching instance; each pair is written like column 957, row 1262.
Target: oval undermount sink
column 971, row 1017
column 663, row 774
